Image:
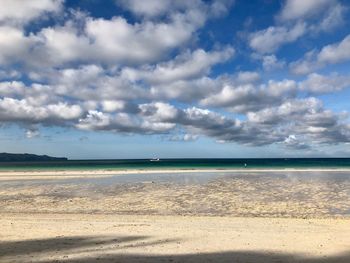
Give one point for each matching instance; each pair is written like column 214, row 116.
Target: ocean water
column 129, row 164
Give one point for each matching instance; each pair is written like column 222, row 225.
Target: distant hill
column 26, row 157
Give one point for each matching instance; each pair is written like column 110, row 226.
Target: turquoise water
column 275, row 163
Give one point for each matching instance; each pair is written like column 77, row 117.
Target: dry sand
column 51, row 220
column 118, row 238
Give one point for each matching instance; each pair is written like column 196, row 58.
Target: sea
column 154, row 164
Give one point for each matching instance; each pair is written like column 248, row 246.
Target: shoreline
column 92, row 173
column 244, row 193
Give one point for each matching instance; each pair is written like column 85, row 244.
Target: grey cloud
column 122, row 122
column 305, row 117
column 185, row 66
column 186, row 90
column 293, row 142
column 247, row 77
column 182, row 78
column 248, row 97
column 270, row 63
column 316, row 83
column 10, row 74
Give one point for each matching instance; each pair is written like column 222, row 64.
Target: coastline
column 287, row 193
column 92, row 173
column 257, row 217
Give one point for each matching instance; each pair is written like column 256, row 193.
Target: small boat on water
column 154, row 160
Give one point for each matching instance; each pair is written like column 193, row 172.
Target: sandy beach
column 175, row 216
column 164, row 131
column 117, row 238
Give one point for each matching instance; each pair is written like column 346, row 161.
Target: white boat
column 154, row 160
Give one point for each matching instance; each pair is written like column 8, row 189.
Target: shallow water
column 244, row 193
column 191, row 177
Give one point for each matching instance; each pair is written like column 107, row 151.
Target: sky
column 90, row 79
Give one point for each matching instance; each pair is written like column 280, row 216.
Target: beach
column 208, row 215
column 174, row 131
column 117, row 238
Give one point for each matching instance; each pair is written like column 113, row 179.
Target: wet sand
column 206, row 216
column 249, row 194
column 64, row 174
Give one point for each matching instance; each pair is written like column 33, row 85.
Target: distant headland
column 26, row 157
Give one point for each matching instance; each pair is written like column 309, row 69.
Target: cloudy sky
column 175, row 78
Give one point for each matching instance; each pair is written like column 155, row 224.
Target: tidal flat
column 175, row 216
column 289, row 194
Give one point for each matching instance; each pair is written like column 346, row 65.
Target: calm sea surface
column 181, row 164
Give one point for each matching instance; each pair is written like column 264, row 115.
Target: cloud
column 117, row 40
column 335, row 53
column 292, row 142
column 149, row 8
column 248, row 97
column 10, row 88
column 272, row 38
column 248, row 77
column 299, row 9
column 287, row 111
column 122, row 122
column 156, row 8
column 148, row 71
column 22, row 111
column 186, row 90
column 14, row 45
column 183, row 78
column 101, row 40
column 184, row 137
column 270, row 62
column 333, row 18
column 188, row 65
column 305, row 118
column 91, row 83
column 19, row 12
column 10, row 74
column 32, row 133
column 323, row 15
column 316, row 83
column 329, row 54
column 296, row 19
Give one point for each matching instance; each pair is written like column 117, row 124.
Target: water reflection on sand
column 243, row 193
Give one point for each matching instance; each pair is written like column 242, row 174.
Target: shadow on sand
column 110, row 249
